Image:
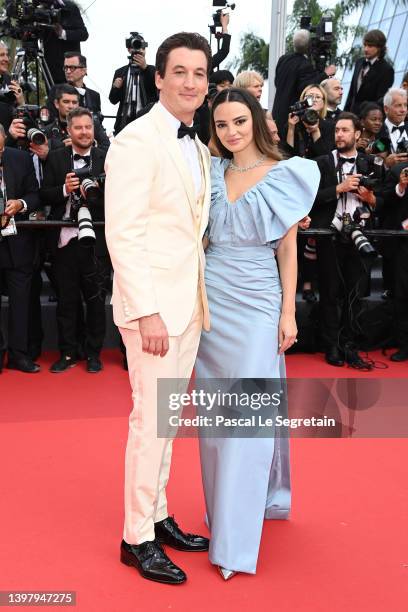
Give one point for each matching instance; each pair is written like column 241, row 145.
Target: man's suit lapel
column 205, row 164
column 173, row 148
column 8, row 175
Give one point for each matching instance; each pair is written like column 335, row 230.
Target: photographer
column 394, row 215
column 394, row 132
column 294, row 71
column 66, row 36
column 308, row 133
column 18, row 197
column 373, row 75
column 80, row 268
column 133, row 86
column 225, row 38
column 343, row 260
column 75, row 69
column 11, row 94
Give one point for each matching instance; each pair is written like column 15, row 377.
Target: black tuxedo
column 148, row 91
column 56, row 133
column 385, row 135
column 91, row 100
column 17, row 253
column 294, row 71
column 6, row 107
column 374, row 86
column 343, row 273
column 333, row 115
column 78, row 270
column 54, row 47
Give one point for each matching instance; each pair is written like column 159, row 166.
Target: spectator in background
column 222, row 79
column 371, row 119
column 11, row 94
column 334, row 92
column 373, row 75
column 294, row 71
column 395, row 126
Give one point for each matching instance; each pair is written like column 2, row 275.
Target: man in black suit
column 342, row 270
column 334, row 92
column 133, row 87
column 78, row 269
column 373, row 75
column 394, row 215
column 293, row 72
column 67, row 36
column 11, row 94
column 395, row 127
column 20, row 196
column 75, row 70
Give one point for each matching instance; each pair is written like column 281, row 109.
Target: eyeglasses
column 316, row 97
column 71, row 68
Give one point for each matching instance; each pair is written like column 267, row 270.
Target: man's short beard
column 346, row 148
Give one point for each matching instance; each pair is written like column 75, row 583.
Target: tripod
column 134, row 87
column 32, row 51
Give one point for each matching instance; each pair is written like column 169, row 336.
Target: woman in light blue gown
column 257, row 201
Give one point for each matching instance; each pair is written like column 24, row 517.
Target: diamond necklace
column 257, row 163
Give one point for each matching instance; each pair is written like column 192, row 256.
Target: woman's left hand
column 287, row 332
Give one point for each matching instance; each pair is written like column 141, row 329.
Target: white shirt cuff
column 64, row 191
column 400, row 192
column 63, row 35
column 24, row 209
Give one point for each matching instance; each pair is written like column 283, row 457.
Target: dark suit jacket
column 385, row 135
column 118, row 94
column 395, row 209
column 91, row 100
column 21, row 183
column 304, row 145
column 54, row 48
column 374, row 86
column 57, row 166
column 294, row 71
column 56, row 134
column 325, row 204
column 6, row 108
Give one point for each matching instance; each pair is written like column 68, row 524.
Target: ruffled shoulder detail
column 269, row 209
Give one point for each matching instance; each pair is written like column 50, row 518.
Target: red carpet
column 62, row 444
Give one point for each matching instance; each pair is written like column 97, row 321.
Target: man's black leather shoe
column 168, row 532
column 23, row 364
column 63, row 364
column 151, row 562
column 334, row 356
column 400, row 355
column 93, row 365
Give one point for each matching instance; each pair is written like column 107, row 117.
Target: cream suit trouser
column 148, row 458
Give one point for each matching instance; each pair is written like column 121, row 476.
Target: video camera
column 217, row 15
column 303, row 110
column 35, row 118
column 321, row 40
column 80, row 213
column 135, row 42
column 28, row 20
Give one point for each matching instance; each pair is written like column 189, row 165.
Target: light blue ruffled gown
column 247, row 479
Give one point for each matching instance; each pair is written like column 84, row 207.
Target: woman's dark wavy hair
column 367, row 107
column 262, row 136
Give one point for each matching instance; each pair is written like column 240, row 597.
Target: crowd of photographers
column 52, row 161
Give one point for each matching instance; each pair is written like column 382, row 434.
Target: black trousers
column 80, row 273
column 18, row 281
column 400, row 290
column 343, row 275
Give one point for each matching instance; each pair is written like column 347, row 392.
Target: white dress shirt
column 188, row 148
column 67, row 233
column 349, row 202
column 395, row 136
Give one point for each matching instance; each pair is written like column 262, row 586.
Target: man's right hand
column 17, row 129
column 395, row 158
column 67, row 142
column 155, row 338
column 403, row 179
column 71, row 182
column 349, row 183
column 117, row 83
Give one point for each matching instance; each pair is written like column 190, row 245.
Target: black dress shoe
column 400, row 355
column 23, row 364
column 151, row 562
column 168, row 532
column 334, row 356
column 63, row 364
column 355, row 361
column 93, row 365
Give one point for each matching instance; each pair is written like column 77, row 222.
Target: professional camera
column 136, row 42
column 29, row 19
column 321, row 40
column 402, row 146
column 217, row 15
column 350, row 230
column 303, row 110
column 35, row 119
column 369, row 182
column 91, row 187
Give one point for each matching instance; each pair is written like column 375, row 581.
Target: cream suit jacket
column 153, row 225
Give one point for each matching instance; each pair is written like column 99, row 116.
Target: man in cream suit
column 156, row 209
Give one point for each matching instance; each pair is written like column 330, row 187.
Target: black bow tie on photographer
column 347, row 160
column 184, row 130
column 398, row 128
column 86, row 158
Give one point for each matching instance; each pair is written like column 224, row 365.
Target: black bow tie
column 184, row 130
column 398, row 128
column 347, row 160
column 366, row 64
column 86, row 158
